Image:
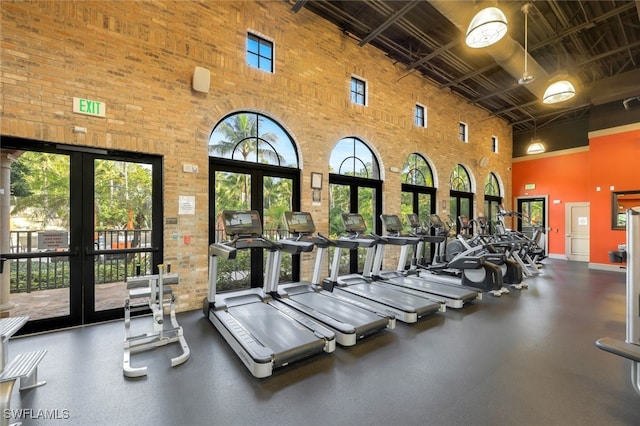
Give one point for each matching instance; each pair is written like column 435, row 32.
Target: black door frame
column 522, row 200
column 81, row 251
column 354, row 183
column 459, row 195
column 257, row 171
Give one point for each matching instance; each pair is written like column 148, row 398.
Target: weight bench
column 159, row 297
column 24, row 366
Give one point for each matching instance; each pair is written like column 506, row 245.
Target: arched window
column 354, row 187
column 491, row 185
column 270, row 185
column 492, row 199
column 460, row 180
column 253, row 137
column 416, row 171
column 461, row 197
column 418, row 193
column 351, row 157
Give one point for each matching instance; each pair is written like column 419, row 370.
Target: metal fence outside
column 43, row 273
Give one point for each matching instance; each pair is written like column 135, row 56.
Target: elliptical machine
column 495, row 252
column 451, row 264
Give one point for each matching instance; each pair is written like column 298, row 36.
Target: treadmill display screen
column 391, row 222
column 353, row 222
column 299, row 222
column 241, row 222
column 413, row 220
column 436, row 221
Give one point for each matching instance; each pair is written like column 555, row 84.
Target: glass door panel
column 424, row 207
column 339, row 199
column 38, row 271
column 122, row 228
column 531, row 215
column 232, row 192
column 406, row 205
column 424, row 213
column 366, row 208
column 277, row 198
column 491, row 214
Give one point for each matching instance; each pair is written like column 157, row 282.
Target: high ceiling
column 596, row 42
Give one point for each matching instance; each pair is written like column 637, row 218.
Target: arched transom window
column 460, row 180
column 416, row 171
column 255, row 138
column 491, row 185
column 352, row 157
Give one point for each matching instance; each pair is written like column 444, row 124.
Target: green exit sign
column 89, row 107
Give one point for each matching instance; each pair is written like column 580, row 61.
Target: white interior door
column 577, row 231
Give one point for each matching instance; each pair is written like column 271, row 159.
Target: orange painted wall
column 616, row 162
column 612, row 160
column 564, row 178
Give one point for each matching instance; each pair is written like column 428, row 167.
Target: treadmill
column 264, row 333
column 452, row 296
column 406, row 307
column 348, row 319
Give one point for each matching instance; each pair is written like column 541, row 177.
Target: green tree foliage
column 122, row 194
column 40, row 187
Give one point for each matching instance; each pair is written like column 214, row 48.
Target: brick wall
column 138, row 58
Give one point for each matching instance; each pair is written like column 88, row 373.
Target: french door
column 460, row 204
column 421, row 201
column 271, row 191
column 491, row 208
column 80, row 221
column 354, row 195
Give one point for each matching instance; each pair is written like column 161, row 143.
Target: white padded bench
column 23, row 366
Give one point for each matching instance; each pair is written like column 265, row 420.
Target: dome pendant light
column 536, row 146
column 559, row 91
column 486, row 28
column 526, row 77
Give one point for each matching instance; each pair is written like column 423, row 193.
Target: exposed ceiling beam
column 386, row 24
column 431, row 55
column 469, row 75
column 584, row 26
column 299, row 4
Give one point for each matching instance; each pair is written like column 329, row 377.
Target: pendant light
column 536, row 146
column 486, row 28
column 526, row 77
column 559, row 91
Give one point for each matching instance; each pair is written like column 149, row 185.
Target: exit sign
column 530, row 186
column 89, row 107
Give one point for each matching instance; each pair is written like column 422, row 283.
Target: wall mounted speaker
column 201, row 80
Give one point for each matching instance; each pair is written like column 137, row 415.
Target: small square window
column 463, row 133
column 420, row 118
column 358, row 91
column 259, row 53
column 494, row 144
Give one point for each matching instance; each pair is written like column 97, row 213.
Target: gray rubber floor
column 527, row 358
